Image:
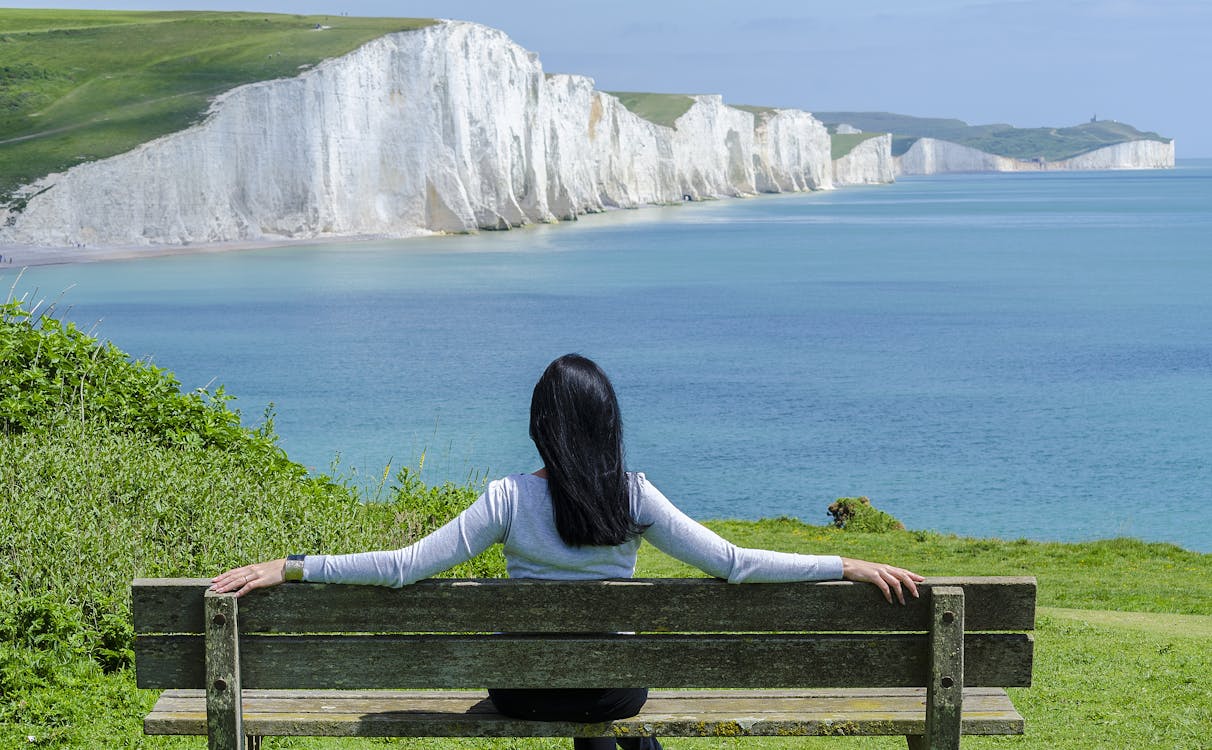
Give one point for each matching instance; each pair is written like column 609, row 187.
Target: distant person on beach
column 580, row 517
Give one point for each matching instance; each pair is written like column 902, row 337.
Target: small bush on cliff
column 858, row 514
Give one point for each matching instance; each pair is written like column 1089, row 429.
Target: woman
column 579, row 517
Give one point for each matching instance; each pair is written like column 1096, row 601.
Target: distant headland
column 196, row 128
column 922, row 145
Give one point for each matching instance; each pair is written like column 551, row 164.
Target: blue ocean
column 1017, row 355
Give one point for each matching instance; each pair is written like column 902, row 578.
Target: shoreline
column 18, row 256
column 28, row 256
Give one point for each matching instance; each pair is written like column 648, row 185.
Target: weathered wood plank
column 758, row 661
column 652, row 605
column 704, row 703
column 225, row 725
column 668, row 713
column 945, row 691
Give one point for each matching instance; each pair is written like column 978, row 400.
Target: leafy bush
column 111, row 473
column 50, row 369
column 858, row 514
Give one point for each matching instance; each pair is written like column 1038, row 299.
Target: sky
column 1028, row 63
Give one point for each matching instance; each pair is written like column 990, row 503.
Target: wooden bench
column 799, row 659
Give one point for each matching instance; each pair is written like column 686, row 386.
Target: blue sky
column 1024, row 62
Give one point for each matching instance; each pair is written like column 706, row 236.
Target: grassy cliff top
column 79, row 85
column 1004, row 140
column 841, row 144
column 663, row 109
column 753, row 109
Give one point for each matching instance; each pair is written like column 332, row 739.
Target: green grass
column 663, row 109
column 1114, row 574
column 1052, row 144
column 97, row 489
column 1194, row 626
column 753, row 109
column 841, row 144
column 1103, row 677
column 80, row 85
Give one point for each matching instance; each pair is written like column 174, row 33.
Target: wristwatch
column 293, row 570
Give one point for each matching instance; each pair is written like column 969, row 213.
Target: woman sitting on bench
column 579, row 517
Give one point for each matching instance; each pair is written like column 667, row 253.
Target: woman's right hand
column 887, row 578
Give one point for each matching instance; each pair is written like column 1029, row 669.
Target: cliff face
column 868, row 163
column 932, row 156
column 791, row 152
column 1130, row 155
column 448, row 128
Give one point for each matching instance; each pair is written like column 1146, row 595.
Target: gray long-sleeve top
column 516, row 511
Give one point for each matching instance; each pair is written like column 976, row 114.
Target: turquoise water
column 996, row 355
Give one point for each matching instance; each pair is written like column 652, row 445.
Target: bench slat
column 709, row 660
column 651, row 605
column 668, row 713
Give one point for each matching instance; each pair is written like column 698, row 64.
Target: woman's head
column 576, row 427
column 574, row 411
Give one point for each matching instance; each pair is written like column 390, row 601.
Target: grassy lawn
column 663, row 109
column 80, row 85
column 1115, row 665
column 1124, row 638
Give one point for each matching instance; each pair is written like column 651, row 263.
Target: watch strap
column 293, row 570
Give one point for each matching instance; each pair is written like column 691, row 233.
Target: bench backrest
column 448, row 633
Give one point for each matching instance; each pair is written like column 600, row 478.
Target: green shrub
column 858, row 514
column 50, row 371
column 111, row 473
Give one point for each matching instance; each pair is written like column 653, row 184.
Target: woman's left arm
column 680, row 536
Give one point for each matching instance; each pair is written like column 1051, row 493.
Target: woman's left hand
column 256, row 576
column 889, row 579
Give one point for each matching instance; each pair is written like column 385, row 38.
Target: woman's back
column 532, row 544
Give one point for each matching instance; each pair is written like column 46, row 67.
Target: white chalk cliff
column 449, row 128
column 1145, row 154
column 933, row 156
column 868, row 163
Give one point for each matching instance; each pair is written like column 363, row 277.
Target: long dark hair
column 575, row 424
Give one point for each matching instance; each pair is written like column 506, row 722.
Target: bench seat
column 670, row 713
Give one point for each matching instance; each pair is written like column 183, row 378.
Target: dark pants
column 580, row 705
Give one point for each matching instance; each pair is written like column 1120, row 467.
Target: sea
column 995, row 355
